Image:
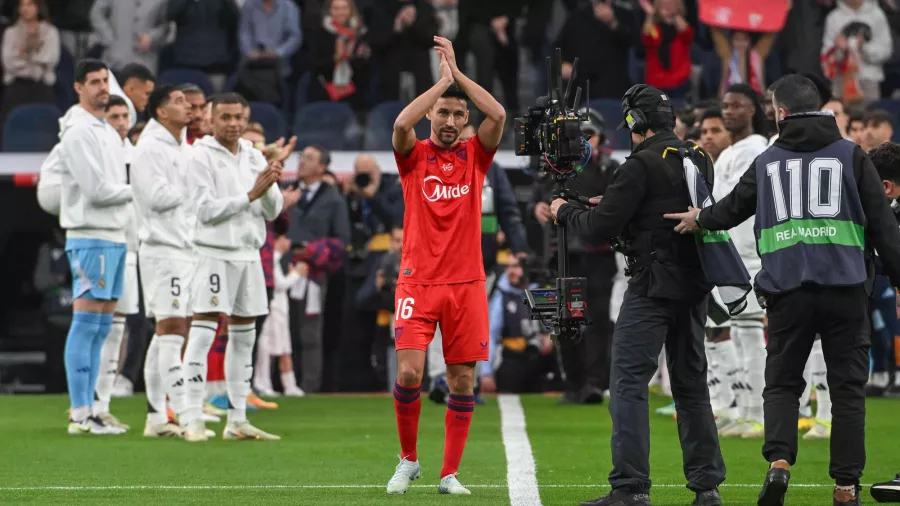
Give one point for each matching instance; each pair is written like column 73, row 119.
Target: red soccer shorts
column 461, row 309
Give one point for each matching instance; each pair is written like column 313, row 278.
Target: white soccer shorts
column 128, row 304
column 167, row 286
column 232, row 288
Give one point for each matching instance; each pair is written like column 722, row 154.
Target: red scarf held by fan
column 339, row 88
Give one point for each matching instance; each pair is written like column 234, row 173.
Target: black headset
column 636, row 119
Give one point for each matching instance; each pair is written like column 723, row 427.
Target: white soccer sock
column 724, row 355
column 664, row 374
column 215, row 389
column 239, row 369
column 156, row 390
column 713, row 382
column 109, row 365
column 170, row 369
column 200, row 340
column 880, row 379
column 262, row 374
column 288, row 381
column 819, row 375
column 750, row 338
column 805, row 408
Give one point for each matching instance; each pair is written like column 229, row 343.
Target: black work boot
column 620, row 497
column 707, row 498
column 774, row 488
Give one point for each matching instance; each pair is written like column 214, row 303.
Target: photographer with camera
column 585, row 362
column 665, row 303
column 375, row 204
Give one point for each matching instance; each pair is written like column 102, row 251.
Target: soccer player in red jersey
column 441, row 277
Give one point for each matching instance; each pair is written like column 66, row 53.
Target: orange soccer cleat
column 255, row 401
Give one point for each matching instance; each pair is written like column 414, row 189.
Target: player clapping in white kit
column 234, row 190
column 162, row 198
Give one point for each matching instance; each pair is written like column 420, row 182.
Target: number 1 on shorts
column 404, row 308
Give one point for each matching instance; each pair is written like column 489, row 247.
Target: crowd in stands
column 356, row 62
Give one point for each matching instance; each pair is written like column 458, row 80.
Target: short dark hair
column 694, row 134
column 454, row 91
column 86, row 67
column 796, row 94
column 660, row 121
column 886, row 159
column 324, row 154
column 758, row 121
column 135, row 71
column 159, row 98
column 686, row 115
column 229, row 98
column 876, row 117
column 711, row 113
column 115, row 101
column 190, row 89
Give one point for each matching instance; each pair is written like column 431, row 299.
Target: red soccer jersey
column 442, row 221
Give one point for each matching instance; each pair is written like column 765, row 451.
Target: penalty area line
column 88, row 488
column 521, row 474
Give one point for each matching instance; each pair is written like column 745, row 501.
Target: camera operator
column 375, row 204
column 586, row 362
column 665, row 303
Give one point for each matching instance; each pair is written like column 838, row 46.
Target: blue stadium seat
column 323, row 123
column 31, row 128
column 381, row 125
column 181, row 76
column 271, row 118
column 611, row 110
column 301, row 96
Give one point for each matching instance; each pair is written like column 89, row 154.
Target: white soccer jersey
column 162, row 198
column 731, row 165
column 95, row 198
column 229, row 226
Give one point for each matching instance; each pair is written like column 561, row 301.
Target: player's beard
column 448, row 135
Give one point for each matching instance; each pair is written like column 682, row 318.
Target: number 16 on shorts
column 404, row 308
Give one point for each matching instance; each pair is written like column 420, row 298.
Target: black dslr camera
column 552, row 131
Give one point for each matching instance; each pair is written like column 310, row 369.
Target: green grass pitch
column 341, row 450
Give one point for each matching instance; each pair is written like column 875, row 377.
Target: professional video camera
column 552, row 131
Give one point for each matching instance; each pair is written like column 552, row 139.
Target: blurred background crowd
column 336, row 73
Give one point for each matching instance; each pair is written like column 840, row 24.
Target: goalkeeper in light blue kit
column 94, row 211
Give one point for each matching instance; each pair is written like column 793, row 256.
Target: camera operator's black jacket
column 666, row 263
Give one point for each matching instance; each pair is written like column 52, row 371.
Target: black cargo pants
column 644, row 326
column 841, row 316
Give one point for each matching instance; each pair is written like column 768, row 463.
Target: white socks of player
column 749, row 341
column 818, row 378
column 200, row 340
column 156, row 390
column 170, row 369
column 262, row 373
column 109, row 365
column 723, row 365
column 239, row 369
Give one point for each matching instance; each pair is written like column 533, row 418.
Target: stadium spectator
column 856, row 127
column 603, row 24
column 714, row 137
column 73, row 19
column 401, row 36
column 520, row 354
column 205, row 36
column 879, row 129
column 667, row 39
column 488, row 31
column 130, row 31
column 30, row 54
column 743, row 60
column 270, row 30
column 836, row 106
column 320, row 213
column 855, row 46
column 339, row 55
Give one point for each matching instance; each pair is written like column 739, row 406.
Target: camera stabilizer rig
column 552, row 131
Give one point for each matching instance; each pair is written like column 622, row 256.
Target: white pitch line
column 77, row 488
column 521, row 475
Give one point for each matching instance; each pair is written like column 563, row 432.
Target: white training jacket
column 731, row 165
column 229, row 226
column 161, row 195
column 49, row 186
column 95, row 197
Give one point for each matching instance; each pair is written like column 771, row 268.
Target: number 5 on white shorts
column 404, row 308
